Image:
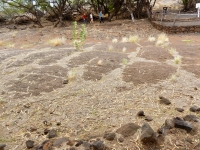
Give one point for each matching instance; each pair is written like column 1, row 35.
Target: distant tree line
column 61, row 10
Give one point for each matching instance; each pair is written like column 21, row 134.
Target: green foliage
column 185, row 2
column 124, row 61
column 79, row 39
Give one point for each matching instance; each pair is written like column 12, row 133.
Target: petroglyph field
column 121, row 69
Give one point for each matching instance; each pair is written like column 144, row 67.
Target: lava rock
column 98, row 145
column 52, row 133
column 148, row 118
column 60, row 141
column 189, row 140
column 29, row 144
column 164, row 100
column 140, row 113
column 27, row 105
column 58, row 123
column 196, row 147
column 2, row 146
column 191, row 118
column 2, row 92
column 128, row 129
column 169, row 123
column 47, row 123
column 79, row 142
column 179, row 123
column 109, row 136
column 147, row 134
column 65, row 81
column 179, row 109
column 46, row 131
column 120, row 138
column 194, row 108
column 47, row 145
column 32, row 129
column 86, row 145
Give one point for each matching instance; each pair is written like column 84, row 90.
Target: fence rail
column 175, row 16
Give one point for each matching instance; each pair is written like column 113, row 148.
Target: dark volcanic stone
column 47, row 145
column 29, row 144
column 120, row 138
column 98, row 145
column 58, row 123
column 140, row 113
column 52, row 133
column 179, row 109
column 46, row 131
column 128, row 129
column 60, row 141
column 2, row 146
column 194, row 108
column 147, row 134
column 109, row 136
column 86, row 145
column 79, row 142
column 179, row 123
column 43, row 145
column 169, row 123
column 65, row 81
column 148, row 118
column 191, row 118
column 164, row 100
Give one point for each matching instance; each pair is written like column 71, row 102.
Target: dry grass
column 1, row 43
column 124, row 49
column 173, row 51
column 177, row 59
column 134, row 39
column 14, row 34
column 110, row 48
column 71, row 75
column 151, row 39
column 162, row 40
column 100, row 62
column 124, row 40
column 57, row 41
column 10, row 45
column 114, row 40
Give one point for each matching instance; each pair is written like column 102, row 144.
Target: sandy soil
column 109, row 82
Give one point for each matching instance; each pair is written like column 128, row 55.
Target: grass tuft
column 173, row 78
column 124, row 49
column 1, row 43
column 110, row 48
column 151, row 39
column 124, row 40
column 11, row 45
column 114, row 40
column 57, row 41
column 134, row 39
column 124, row 61
column 100, row 62
column 177, row 59
column 162, row 40
column 173, row 51
column 71, row 75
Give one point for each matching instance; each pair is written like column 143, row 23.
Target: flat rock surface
column 108, row 82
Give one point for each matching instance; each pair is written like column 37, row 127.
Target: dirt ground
column 109, row 82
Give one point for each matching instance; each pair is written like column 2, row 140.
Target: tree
column 21, row 6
